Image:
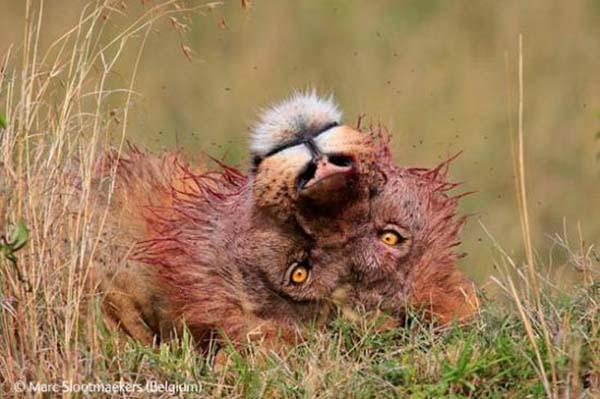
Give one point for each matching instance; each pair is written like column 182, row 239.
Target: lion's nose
column 325, row 175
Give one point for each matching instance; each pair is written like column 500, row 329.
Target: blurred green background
column 440, row 75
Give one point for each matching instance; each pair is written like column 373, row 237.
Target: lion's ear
column 378, row 181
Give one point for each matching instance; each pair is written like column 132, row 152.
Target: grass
column 534, row 338
column 492, row 357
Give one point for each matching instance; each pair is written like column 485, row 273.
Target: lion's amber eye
column 390, row 238
column 299, row 275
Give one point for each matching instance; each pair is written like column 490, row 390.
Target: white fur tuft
column 281, row 122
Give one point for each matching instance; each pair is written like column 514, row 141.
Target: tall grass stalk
column 533, row 300
column 57, row 103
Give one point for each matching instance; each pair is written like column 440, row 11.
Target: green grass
column 491, row 357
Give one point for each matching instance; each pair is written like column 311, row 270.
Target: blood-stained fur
column 218, row 249
column 207, row 255
column 412, row 207
column 405, row 255
column 324, row 217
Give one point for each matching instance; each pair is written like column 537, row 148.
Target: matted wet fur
column 165, row 278
column 419, row 271
column 217, row 249
column 196, row 248
column 416, row 205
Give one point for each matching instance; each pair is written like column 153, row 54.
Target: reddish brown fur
column 215, row 251
column 426, row 276
column 218, row 261
column 415, row 201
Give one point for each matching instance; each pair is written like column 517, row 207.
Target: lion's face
column 312, row 177
column 369, row 218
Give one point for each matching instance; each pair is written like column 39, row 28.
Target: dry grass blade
column 55, row 102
